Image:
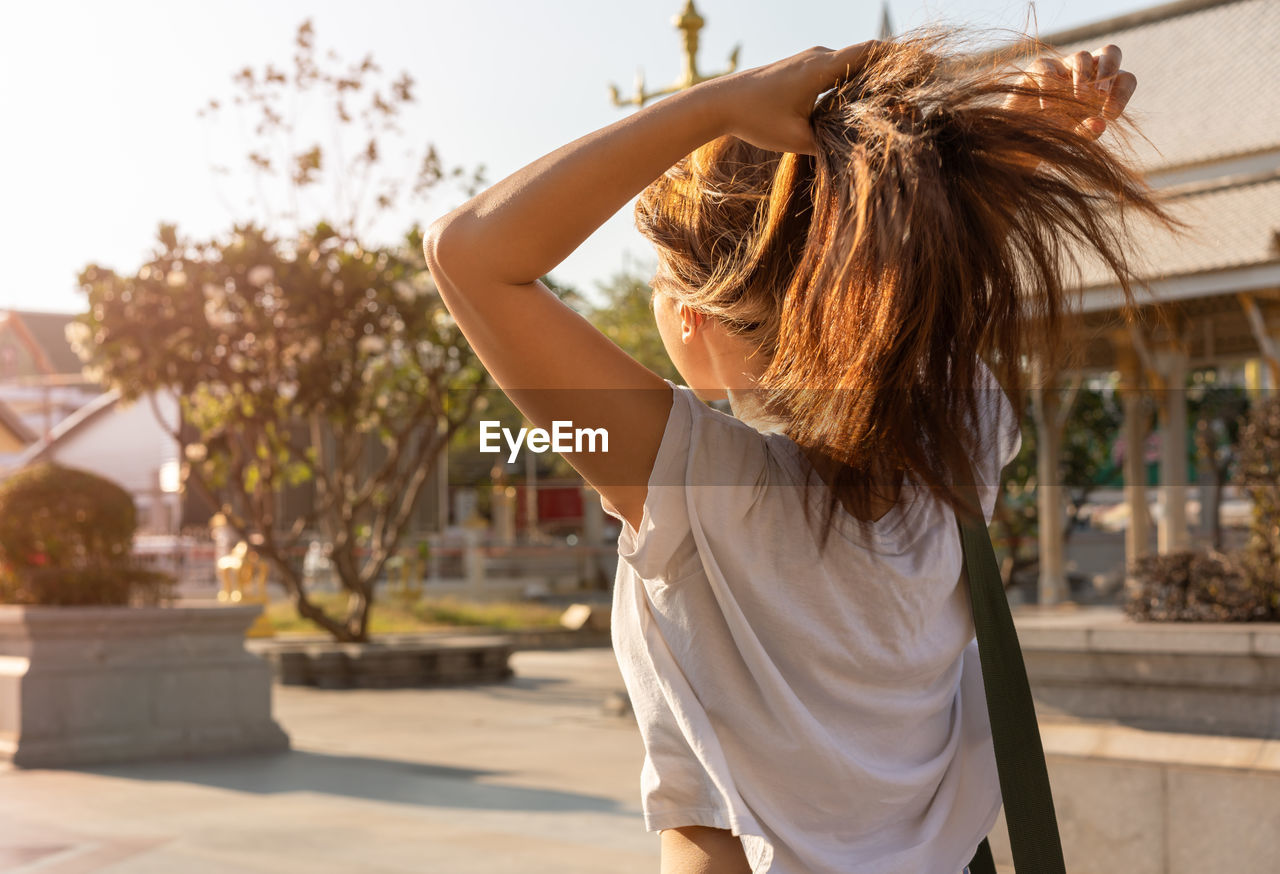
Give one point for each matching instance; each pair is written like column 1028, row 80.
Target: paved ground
column 530, row 776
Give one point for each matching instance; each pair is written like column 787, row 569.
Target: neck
column 748, row 406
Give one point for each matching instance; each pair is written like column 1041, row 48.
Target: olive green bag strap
column 1024, row 779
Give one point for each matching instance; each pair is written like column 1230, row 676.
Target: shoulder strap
column 1024, row 780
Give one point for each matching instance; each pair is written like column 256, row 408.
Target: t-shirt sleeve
column 708, row 463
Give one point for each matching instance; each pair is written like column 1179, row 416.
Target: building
column 50, row 412
column 1208, row 106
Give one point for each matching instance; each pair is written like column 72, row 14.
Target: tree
column 326, row 143
column 1091, row 419
column 626, row 317
column 1091, row 427
column 1259, row 474
column 302, row 352
column 1014, row 520
column 1218, row 411
column 291, row 362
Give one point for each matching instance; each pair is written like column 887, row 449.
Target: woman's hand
column 1095, row 78
column 770, row 106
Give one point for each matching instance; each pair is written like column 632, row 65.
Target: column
column 502, row 510
column 593, row 575
column 1137, row 536
column 1133, row 430
column 1171, row 534
column 1049, row 493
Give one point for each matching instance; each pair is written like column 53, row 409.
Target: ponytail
column 936, row 227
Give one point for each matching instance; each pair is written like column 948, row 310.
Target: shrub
column 1259, row 474
column 1217, row 587
column 66, row 538
column 1196, row 586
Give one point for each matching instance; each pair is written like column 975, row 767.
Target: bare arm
column 486, row 257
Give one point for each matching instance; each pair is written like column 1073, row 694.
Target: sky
column 100, row 141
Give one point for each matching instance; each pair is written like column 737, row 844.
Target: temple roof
column 1207, row 73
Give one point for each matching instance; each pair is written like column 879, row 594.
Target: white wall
column 127, row 445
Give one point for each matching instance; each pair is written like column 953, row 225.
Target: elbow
column 448, row 257
column 431, row 247
column 442, row 245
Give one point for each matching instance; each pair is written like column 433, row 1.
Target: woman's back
column 826, row 705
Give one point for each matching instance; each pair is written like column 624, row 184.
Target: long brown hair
column 935, row 227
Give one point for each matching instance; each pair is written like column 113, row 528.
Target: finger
column 1108, row 66
column 1092, row 127
column 1082, row 66
column 1027, row 93
column 1051, row 76
column 1122, row 89
column 850, row 60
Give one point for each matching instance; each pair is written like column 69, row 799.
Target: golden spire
column 886, row 23
column 688, row 22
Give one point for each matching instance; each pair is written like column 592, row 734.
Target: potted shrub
column 104, row 669
column 1213, row 586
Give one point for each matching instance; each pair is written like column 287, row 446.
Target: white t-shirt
column 827, row 709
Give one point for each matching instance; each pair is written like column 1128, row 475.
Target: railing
column 458, row 563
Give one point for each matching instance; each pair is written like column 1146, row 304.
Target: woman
column 788, row 613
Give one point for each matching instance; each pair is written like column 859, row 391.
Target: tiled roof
column 1207, row 74
column 1234, row 223
column 49, row 332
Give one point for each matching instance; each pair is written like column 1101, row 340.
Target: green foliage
column 302, row 355
column 1259, row 473
column 1014, row 525
column 255, row 336
column 1088, row 432
column 1195, row 586
column 1213, row 586
column 65, row 538
column 625, row 316
column 292, row 362
column 1218, row 412
column 398, row 615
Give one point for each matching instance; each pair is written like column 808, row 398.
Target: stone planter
column 1204, row 677
column 84, row 685
column 389, row 663
column 1162, row 741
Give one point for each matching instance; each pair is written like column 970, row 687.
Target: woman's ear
column 691, row 322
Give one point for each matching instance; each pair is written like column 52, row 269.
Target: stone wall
column 83, row 685
column 1162, row 742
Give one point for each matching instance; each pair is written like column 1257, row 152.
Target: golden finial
column 688, row 22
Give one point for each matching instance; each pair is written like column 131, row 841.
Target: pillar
column 502, row 509
column 1133, row 430
column 593, row 575
column 1050, row 493
column 473, row 562
column 1137, row 536
column 1171, row 534
column 442, row 484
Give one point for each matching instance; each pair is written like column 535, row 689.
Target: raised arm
column 486, row 257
